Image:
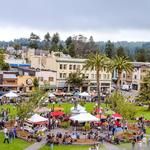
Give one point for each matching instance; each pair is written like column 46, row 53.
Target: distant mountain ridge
column 132, row 46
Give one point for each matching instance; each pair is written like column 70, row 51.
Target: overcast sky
column 114, row 20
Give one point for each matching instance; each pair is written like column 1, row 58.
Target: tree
column 25, row 109
column 120, row 64
column 120, row 52
column 36, row 82
column 54, row 42
column 71, row 50
column 141, row 55
column 55, row 39
column 34, row 40
column 109, row 49
column 75, row 80
column 144, row 95
column 68, row 41
column 119, row 104
column 17, row 46
column 47, row 39
column 3, row 65
column 99, row 62
column 60, row 47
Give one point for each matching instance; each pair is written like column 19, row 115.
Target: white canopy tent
column 11, row 95
column 84, row 117
column 51, row 95
column 37, row 119
column 84, row 94
column 75, row 112
column 78, row 108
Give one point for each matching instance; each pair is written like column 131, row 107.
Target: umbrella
column 98, row 110
column 84, row 117
column 100, row 116
column 57, row 113
column 109, row 112
column 79, row 107
column 117, row 116
column 84, row 94
column 11, row 95
column 51, row 95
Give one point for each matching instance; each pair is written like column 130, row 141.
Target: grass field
column 142, row 111
column 16, row 144
column 89, row 106
column 69, row 147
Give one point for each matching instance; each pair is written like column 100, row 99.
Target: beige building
column 135, row 78
column 64, row 65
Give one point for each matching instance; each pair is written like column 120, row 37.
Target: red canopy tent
column 117, row 116
column 98, row 110
column 57, row 113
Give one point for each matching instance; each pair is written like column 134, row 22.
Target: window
column 78, row 67
column 135, row 77
column 99, row 76
column 60, row 67
column 51, row 79
column 64, row 75
column 74, row 67
column 70, row 67
column 60, row 75
column 92, row 76
column 70, row 74
column 124, row 75
column 87, row 76
column 104, row 76
column 108, row 76
column 65, row 66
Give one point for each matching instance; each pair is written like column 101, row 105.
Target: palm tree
column 121, row 64
column 75, row 80
column 99, row 62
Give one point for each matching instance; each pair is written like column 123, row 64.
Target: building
column 135, row 78
column 25, row 83
column 64, row 65
column 47, row 78
column 8, row 80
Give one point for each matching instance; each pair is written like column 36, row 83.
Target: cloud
column 94, row 16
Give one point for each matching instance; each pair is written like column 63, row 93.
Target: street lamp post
column 53, row 105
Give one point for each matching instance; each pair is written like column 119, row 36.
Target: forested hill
column 80, row 46
column 126, row 45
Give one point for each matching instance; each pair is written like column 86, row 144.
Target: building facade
column 64, row 65
column 135, row 78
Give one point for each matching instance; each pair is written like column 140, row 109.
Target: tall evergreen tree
column 109, row 49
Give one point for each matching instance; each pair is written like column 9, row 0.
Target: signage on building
column 29, row 81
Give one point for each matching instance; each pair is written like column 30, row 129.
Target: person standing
column 6, row 137
column 11, row 135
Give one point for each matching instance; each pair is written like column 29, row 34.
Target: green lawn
column 69, row 147
column 142, row 111
column 89, row 106
column 66, row 147
column 16, row 144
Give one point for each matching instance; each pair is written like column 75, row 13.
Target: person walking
column 11, row 135
column 6, row 137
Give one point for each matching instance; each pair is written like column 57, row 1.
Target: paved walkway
column 109, row 146
column 37, row 145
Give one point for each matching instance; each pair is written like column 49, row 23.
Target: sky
column 115, row 20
